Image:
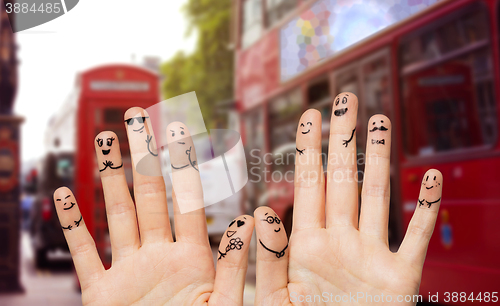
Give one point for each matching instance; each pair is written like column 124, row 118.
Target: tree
column 209, row 70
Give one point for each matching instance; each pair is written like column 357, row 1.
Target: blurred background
column 433, row 67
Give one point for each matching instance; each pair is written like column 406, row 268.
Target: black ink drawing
column 301, row 152
column 376, row 141
column 272, row 220
column 346, row 142
column 278, row 254
column 69, row 207
column 435, row 184
column 381, row 128
column 192, row 163
column 239, row 223
column 141, row 120
column 109, row 164
column 109, row 142
column 234, row 244
column 341, row 111
column 429, row 204
column 302, row 125
column 148, row 140
column 77, row 224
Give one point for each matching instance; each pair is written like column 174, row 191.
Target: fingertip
column 62, row 192
column 131, row 112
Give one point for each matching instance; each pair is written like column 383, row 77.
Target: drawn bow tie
column 378, row 141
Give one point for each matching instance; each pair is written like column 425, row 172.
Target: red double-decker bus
column 432, row 66
column 98, row 102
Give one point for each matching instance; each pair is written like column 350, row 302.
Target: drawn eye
column 373, row 123
column 344, row 100
column 309, row 123
column 427, row 178
column 173, row 134
column 434, row 177
column 270, row 220
column 302, row 124
column 337, row 101
column 99, row 142
column 109, row 141
column 182, row 132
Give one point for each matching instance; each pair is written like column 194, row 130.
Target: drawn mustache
column 340, row 112
column 382, row 128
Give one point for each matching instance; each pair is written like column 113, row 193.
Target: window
column 447, row 86
column 284, row 113
column 252, row 22
column 277, row 9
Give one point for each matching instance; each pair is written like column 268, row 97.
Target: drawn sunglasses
column 130, row 121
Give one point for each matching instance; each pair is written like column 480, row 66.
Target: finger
column 418, row 235
column 342, row 186
column 309, row 203
column 190, row 222
column 88, row 265
column 232, row 261
column 272, row 258
column 122, row 219
column 149, row 187
column 375, row 196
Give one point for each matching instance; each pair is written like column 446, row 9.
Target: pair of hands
column 331, row 256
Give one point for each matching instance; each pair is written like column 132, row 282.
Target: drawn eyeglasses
column 130, row 121
column 271, row 220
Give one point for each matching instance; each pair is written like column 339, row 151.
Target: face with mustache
column 376, row 128
column 342, row 101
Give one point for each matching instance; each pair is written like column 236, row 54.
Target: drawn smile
column 182, row 167
column 429, row 187
column 139, row 129
column 230, row 233
column 279, row 229
column 306, row 132
column 106, row 152
column 340, row 112
column 66, row 208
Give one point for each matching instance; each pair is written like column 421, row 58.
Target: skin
column 329, row 250
column 148, row 267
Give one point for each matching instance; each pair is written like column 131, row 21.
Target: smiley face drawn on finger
column 272, row 220
column 136, row 127
column 178, row 137
column 107, row 147
column 234, row 243
column 239, row 223
column 309, row 125
column 67, row 203
column 381, row 128
column 342, row 101
column 430, row 184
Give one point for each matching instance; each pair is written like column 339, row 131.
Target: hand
column 331, row 257
column 148, row 267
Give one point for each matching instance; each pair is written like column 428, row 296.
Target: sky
column 93, row 33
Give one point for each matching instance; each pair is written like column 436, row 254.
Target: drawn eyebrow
column 58, row 199
column 181, row 127
column 172, row 131
column 347, row 95
column 310, row 123
column 67, row 196
column 265, row 214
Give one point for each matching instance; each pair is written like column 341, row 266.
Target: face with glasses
column 136, row 123
column 273, row 220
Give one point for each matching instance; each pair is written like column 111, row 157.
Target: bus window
column 377, row 98
column 318, row 97
column 277, row 9
column 284, row 113
column 252, row 22
column 452, row 93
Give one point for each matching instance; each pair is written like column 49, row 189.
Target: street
column 55, row 285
